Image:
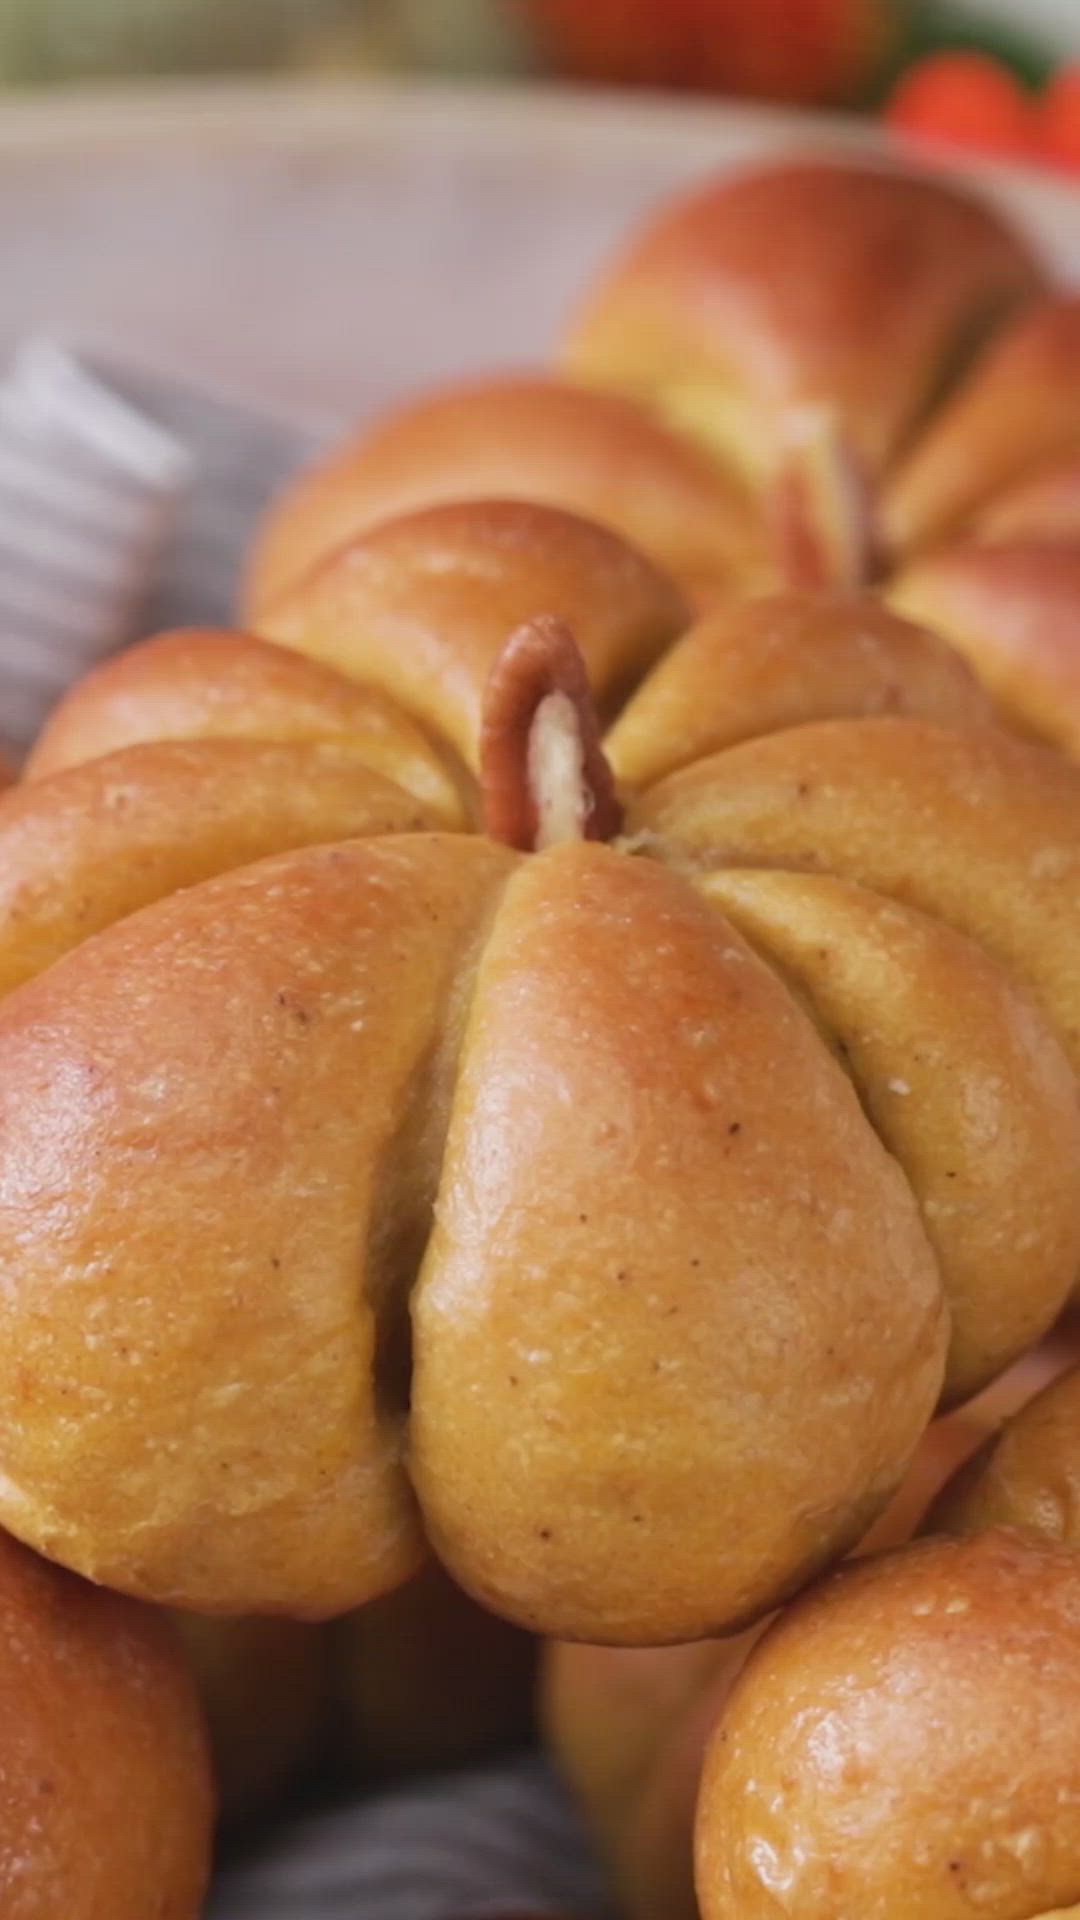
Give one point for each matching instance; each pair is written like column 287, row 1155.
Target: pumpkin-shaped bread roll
column 807, row 369
column 799, row 320
column 605, row 1201
column 811, row 373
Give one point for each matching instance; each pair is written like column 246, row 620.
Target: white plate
column 317, row 248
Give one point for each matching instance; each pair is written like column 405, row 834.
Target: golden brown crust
column 213, row 684
column 1012, row 609
column 263, row 1064
column 1027, row 1476
column 246, row 1452
column 273, row 1076
column 91, row 845
column 800, row 284
column 962, row 1080
column 340, row 1037
column 905, row 1745
column 702, row 1482
column 1017, row 411
column 758, row 666
column 514, row 437
column 105, row 1796
column 973, row 827
column 422, row 606
column 597, row 984
column 976, row 830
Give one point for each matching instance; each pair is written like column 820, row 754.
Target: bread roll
column 466, row 1153
column 798, row 320
column 515, row 437
column 105, row 1796
column 904, row 1744
column 800, row 283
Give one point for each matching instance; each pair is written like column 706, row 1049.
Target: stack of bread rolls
column 537, row 1067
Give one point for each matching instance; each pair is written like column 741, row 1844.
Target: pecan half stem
column 543, row 774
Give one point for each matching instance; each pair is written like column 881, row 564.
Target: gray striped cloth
column 126, row 502
column 496, row 1843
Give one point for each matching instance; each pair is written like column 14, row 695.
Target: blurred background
column 995, row 74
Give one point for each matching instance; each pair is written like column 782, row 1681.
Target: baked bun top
column 904, row 1744
column 801, row 285
column 515, row 437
